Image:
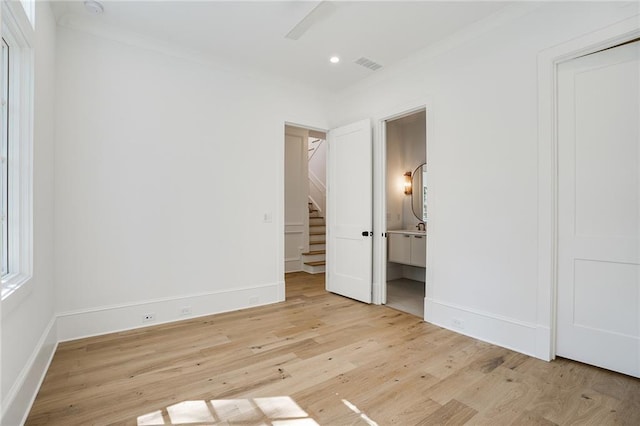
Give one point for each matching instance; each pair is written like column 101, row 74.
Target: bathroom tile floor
column 406, row 295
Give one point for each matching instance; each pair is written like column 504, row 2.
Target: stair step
column 317, row 239
column 317, row 263
column 307, row 258
column 317, row 233
column 312, row 252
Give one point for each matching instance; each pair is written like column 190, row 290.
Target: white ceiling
column 252, row 34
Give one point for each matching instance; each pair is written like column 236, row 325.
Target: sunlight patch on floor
column 356, row 410
column 276, row 411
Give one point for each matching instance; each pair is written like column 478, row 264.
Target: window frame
column 29, row 7
column 17, row 32
column 4, row 154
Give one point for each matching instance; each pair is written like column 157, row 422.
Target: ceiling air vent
column 368, row 63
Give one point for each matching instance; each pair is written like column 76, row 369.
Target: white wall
column 481, row 97
column 161, row 185
column 318, row 163
column 318, row 172
column 28, row 332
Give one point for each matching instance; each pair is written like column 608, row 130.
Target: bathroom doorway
column 406, row 212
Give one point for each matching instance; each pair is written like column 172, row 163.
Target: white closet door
column 599, row 218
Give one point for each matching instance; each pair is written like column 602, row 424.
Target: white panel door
column 350, row 211
column 599, row 218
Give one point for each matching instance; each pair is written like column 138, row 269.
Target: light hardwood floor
column 321, row 359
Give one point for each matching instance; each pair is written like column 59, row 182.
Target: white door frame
column 548, row 61
column 380, row 196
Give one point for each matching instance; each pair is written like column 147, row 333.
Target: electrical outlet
column 186, row 310
column 149, row 317
column 458, row 323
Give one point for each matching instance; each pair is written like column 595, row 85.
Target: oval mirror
column 419, row 192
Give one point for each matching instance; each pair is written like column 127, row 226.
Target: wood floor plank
column 319, row 358
column 452, row 413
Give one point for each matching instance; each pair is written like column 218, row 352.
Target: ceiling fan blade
column 317, row 14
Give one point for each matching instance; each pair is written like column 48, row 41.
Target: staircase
column 313, row 261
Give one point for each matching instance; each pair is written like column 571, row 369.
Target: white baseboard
column 282, row 291
column 544, row 349
column 18, row 401
column 109, row 319
column 293, row 265
column 509, row 333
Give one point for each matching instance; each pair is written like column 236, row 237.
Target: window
column 4, row 155
column 16, row 122
column 29, row 7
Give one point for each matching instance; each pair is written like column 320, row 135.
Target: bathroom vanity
column 407, row 247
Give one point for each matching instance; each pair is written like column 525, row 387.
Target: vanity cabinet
column 407, row 248
column 419, row 250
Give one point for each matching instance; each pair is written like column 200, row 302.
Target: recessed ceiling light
column 334, row 59
column 94, row 7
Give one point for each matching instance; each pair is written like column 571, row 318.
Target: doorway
column 305, row 152
column 348, row 206
column 405, row 212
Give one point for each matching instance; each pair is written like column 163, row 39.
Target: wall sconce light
column 407, row 183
